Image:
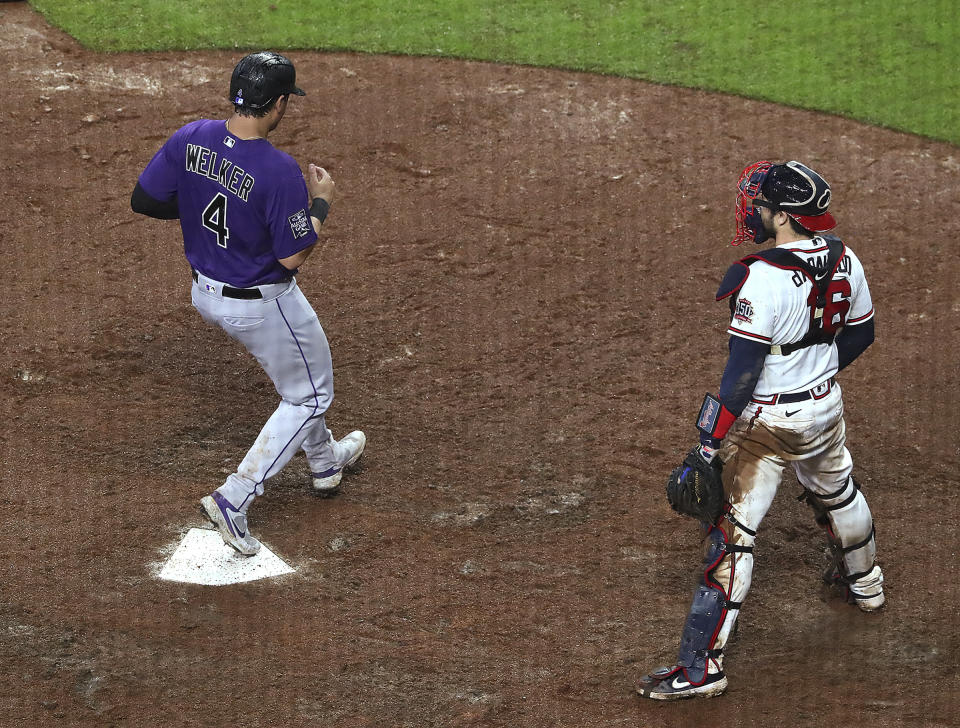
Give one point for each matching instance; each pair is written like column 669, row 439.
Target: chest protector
column 819, row 276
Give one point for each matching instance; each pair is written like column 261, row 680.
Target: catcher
column 800, row 312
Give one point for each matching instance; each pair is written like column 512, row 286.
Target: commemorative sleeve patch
column 743, row 311
column 299, row 224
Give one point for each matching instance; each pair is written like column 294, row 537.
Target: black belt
column 797, row 396
column 231, row 292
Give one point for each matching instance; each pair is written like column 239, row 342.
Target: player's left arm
column 320, row 187
column 751, row 331
column 852, row 342
column 696, row 487
column 742, row 372
column 857, row 333
column 739, row 381
column 292, row 223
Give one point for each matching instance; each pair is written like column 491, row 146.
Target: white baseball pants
column 284, row 334
column 757, row 448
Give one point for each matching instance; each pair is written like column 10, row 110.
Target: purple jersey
column 243, row 203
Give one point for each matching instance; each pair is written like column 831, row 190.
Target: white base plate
column 203, row 558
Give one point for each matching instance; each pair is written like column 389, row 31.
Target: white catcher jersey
column 775, row 306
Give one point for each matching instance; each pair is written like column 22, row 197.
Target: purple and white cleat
column 231, row 523
column 327, row 482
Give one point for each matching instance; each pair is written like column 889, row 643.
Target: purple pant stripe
column 316, row 397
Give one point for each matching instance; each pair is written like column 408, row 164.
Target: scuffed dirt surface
column 517, row 284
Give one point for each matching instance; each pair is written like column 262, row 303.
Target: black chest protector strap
column 820, row 276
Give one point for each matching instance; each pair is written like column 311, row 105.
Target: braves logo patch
column 743, row 311
column 299, row 225
column 708, row 414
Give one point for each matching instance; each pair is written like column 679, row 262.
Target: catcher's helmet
column 792, row 188
column 259, row 78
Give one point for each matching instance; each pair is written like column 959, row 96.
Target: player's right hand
column 320, row 183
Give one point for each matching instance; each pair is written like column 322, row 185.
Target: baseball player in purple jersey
column 249, row 220
column 800, row 312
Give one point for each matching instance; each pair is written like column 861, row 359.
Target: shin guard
column 845, row 517
column 712, row 612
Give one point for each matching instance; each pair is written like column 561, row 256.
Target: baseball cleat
column 327, row 482
column 672, row 683
column 231, row 523
column 870, row 604
column 867, row 591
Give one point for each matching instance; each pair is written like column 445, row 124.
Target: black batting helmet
column 801, row 193
column 260, row 78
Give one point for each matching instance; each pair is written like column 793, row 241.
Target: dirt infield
column 517, row 282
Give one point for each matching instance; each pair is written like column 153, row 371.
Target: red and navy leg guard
column 711, row 603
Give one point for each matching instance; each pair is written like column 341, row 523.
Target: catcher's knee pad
column 713, row 611
column 845, row 516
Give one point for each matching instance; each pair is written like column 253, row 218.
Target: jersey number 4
column 215, row 218
column 836, row 307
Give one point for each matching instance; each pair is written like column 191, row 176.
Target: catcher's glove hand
column 696, row 487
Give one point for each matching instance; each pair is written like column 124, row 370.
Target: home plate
column 203, row 558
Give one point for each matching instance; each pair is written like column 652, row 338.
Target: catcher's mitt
column 696, row 487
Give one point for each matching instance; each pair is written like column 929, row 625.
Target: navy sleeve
column 853, row 341
column 143, row 203
column 742, row 373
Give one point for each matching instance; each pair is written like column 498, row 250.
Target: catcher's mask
column 792, row 188
column 260, row 78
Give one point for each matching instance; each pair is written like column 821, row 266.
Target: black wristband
column 319, row 209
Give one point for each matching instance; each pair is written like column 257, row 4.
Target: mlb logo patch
column 743, row 311
column 230, row 141
column 299, row 224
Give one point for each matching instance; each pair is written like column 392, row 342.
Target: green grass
column 886, row 62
